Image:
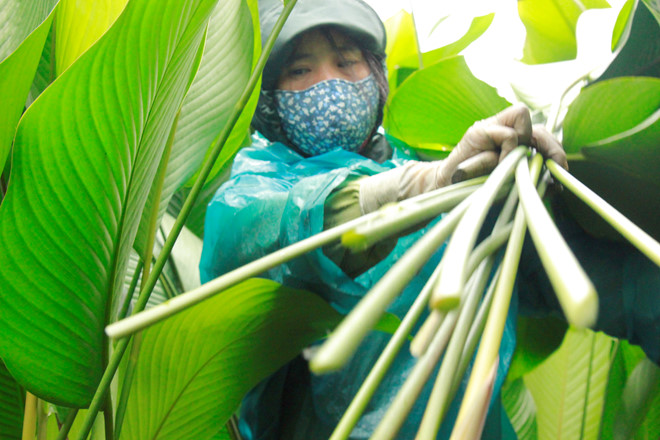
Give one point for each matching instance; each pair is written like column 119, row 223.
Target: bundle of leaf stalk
column 466, row 309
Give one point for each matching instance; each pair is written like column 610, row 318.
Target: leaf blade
column 223, row 347
column 78, row 186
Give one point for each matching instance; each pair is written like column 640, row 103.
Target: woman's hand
column 484, row 144
column 487, row 142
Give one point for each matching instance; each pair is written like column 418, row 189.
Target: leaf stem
column 483, row 250
column 461, row 348
column 448, row 291
column 157, row 190
column 30, row 417
column 107, row 418
column 407, row 395
column 492, row 335
column 344, row 340
column 68, row 423
column 425, row 334
column 633, row 233
column 168, row 285
column 232, row 428
column 131, row 290
column 99, row 396
column 404, row 400
column 573, row 288
column 440, row 397
column 408, row 214
column 356, row 408
column 156, row 314
column 42, row 420
column 122, row 404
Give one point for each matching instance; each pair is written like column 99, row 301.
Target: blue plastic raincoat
column 274, row 198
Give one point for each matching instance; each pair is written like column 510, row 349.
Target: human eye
column 346, row 63
column 297, row 71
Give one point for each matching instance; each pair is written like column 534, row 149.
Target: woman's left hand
column 487, row 142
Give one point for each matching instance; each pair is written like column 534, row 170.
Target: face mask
column 330, row 114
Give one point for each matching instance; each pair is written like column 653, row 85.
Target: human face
column 317, row 59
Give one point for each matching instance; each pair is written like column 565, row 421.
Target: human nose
column 328, row 71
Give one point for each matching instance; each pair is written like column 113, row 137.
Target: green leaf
column 650, row 428
column 536, row 339
column 654, row 7
column 621, row 190
column 625, row 135
column 45, row 73
column 402, row 47
column 520, row 407
column 569, row 387
column 185, row 255
column 195, row 367
column 623, row 23
column 615, row 383
column 439, row 103
column 551, row 27
column 20, row 19
column 86, row 152
column 402, row 55
column 640, row 54
column 222, row 76
column 478, row 26
column 12, row 401
column 79, row 25
column 21, row 43
column 195, row 221
column 642, row 387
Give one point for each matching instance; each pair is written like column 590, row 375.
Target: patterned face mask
column 330, row 114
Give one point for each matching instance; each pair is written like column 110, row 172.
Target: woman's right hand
column 482, row 147
column 487, row 142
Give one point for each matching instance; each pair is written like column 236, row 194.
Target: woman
column 323, row 163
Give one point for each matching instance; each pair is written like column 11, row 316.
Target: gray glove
column 478, row 152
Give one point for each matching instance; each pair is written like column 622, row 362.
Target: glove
column 487, row 142
column 482, row 147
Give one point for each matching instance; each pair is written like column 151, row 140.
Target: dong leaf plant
column 118, row 112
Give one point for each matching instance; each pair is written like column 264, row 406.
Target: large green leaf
column 617, row 122
column 551, row 27
column 478, row 26
column 86, row 152
column 650, row 427
column 195, row 367
column 19, row 20
column 402, row 47
column 519, row 405
column 614, row 128
column 632, row 406
column 402, row 55
column 195, row 221
column 623, row 23
column 438, row 104
column 569, row 387
column 12, row 400
column 640, row 54
column 641, row 389
column 22, row 37
column 45, row 73
column 223, row 74
column 79, row 25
